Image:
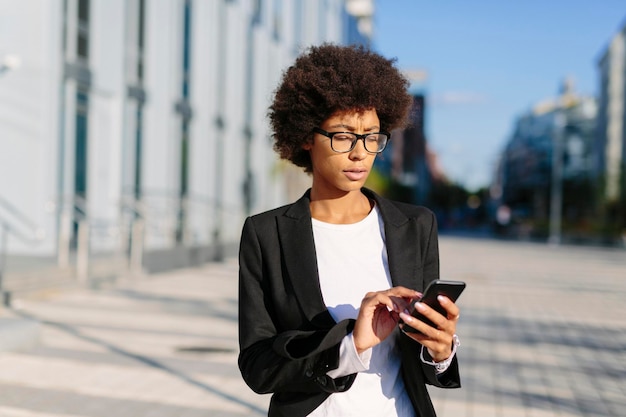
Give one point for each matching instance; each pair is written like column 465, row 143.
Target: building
column 139, row 126
column 409, row 163
column 548, row 161
column 610, row 145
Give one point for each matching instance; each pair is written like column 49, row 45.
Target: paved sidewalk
column 543, row 333
column 543, row 330
column 159, row 346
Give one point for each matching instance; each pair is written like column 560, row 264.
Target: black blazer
column 288, row 340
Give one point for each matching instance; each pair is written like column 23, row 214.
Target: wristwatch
column 442, row 366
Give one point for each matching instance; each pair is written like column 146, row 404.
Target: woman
column 325, row 281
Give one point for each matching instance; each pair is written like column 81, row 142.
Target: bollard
column 64, row 241
column 136, row 247
column 82, row 252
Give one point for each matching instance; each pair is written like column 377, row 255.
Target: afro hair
column 327, row 79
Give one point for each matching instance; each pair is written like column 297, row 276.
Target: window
column 82, row 41
column 141, row 39
column 81, row 154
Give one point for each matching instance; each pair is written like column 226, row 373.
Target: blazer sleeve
column 412, row 349
column 281, row 360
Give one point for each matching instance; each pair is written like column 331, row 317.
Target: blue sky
column 488, row 61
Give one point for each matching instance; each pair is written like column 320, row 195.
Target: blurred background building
column 562, row 174
column 547, row 163
column 138, row 128
column 409, row 168
column 610, row 143
column 136, row 131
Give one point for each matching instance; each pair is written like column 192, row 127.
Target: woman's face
column 335, row 172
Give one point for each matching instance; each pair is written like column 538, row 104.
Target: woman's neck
column 347, row 208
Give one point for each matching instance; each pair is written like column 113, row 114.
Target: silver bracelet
column 445, row 364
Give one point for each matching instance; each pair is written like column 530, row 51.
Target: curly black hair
column 330, row 78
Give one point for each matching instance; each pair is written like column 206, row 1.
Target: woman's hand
column 438, row 340
column 379, row 314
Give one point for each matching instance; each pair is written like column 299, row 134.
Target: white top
column 352, row 261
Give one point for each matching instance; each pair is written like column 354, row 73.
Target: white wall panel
column 38, row 111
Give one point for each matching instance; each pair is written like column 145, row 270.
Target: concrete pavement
column 543, row 333
column 544, row 330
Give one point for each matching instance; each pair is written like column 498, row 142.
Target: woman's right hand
column 379, row 316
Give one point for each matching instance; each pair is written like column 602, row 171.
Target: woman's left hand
column 438, row 339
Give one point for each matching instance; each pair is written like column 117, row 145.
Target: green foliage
column 377, row 182
column 388, row 187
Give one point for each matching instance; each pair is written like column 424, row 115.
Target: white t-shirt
column 352, row 261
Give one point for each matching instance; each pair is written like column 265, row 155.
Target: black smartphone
column 451, row 289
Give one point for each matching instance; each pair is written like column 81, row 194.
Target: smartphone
column 451, row 289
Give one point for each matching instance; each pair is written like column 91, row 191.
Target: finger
column 452, row 310
column 442, row 330
column 395, row 298
column 433, row 339
column 403, row 304
column 403, row 292
column 395, row 316
column 375, row 299
column 438, row 320
column 418, row 325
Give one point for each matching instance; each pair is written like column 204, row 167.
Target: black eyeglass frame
column 356, row 139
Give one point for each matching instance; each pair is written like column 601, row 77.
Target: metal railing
column 78, row 227
column 137, row 233
column 12, row 226
column 74, row 210
column 167, row 213
column 163, row 216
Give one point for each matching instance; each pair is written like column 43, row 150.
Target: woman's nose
column 358, row 152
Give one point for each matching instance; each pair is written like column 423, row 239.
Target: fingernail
column 420, row 306
column 440, row 298
column 406, row 317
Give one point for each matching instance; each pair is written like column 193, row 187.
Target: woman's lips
column 355, row 174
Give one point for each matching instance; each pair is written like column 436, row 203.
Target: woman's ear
column 307, row 146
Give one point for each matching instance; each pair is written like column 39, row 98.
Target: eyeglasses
column 346, row 141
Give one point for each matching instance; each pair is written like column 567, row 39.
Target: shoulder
column 399, row 212
column 270, row 214
column 412, row 210
column 297, row 210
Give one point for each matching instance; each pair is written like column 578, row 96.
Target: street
column 542, row 329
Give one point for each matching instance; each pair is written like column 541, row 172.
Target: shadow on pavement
column 146, row 361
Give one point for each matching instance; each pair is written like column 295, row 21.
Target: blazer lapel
column 400, row 240
column 295, row 232
column 296, row 239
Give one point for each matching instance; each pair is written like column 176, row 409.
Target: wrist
column 442, row 366
column 357, row 343
column 440, row 356
column 360, row 349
